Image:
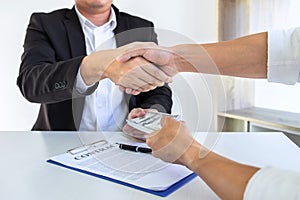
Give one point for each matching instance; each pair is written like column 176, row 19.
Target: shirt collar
column 112, row 20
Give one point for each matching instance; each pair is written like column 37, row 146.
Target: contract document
column 142, row 171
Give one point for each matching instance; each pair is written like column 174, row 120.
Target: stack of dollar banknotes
column 149, row 122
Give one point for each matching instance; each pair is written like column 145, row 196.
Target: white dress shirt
column 105, row 109
column 283, row 67
column 284, row 56
column 271, row 183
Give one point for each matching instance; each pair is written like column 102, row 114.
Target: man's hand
column 162, row 57
column 137, row 112
column 137, row 74
column 173, row 143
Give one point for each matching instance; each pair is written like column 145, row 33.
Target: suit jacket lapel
column 75, row 34
column 121, row 31
column 77, row 48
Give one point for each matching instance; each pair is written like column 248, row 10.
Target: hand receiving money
column 150, row 122
column 143, row 122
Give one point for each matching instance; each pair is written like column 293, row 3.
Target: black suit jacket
column 53, row 50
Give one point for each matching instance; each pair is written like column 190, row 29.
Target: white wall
column 194, row 19
column 15, row 112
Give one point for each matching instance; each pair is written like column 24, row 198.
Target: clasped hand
column 136, row 67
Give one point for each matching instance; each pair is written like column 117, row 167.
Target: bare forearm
column 242, row 57
column 225, row 177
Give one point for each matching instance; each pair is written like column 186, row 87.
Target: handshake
column 135, row 68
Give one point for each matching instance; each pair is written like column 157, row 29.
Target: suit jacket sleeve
column 47, row 71
column 159, row 99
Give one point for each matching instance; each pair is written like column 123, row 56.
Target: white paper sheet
column 140, row 169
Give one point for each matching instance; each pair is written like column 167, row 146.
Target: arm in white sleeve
column 284, row 56
column 80, row 85
column 272, row 183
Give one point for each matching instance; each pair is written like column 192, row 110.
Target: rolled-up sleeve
column 284, row 56
column 272, row 183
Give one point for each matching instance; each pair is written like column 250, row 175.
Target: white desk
column 26, row 175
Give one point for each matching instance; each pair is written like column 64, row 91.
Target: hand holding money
column 144, row 122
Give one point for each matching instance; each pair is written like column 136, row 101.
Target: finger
column 135, row 77
column 123, row 58
column 152, row 138
column 134, row 132
column 160, row 56
column 138, row 85
column 122, row 88
column 169, row 70
column 135, row 49
column 135, row 92
column 164, row 120
column 131, row 80
column 147, row 71
column 142, row 77
column 151, row 110
column 131, row 54
column 147, row 88
column 128, row 90
column 159, row 76
column 137, row 112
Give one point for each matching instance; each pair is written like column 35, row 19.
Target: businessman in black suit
column 56, row 55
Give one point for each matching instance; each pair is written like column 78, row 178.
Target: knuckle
column 149, row 141
column 138, row 59
column 159, row 83
column 158, row 73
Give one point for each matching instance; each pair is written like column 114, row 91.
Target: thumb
column 123, row 58
column 164, row 120
column 127, row 55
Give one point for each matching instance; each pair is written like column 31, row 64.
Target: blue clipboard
column 162, row 193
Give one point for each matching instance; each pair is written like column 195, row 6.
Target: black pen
column 134, row 148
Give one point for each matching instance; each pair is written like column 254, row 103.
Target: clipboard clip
column 85, row 147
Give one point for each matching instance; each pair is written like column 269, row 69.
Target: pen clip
column 80, row 149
